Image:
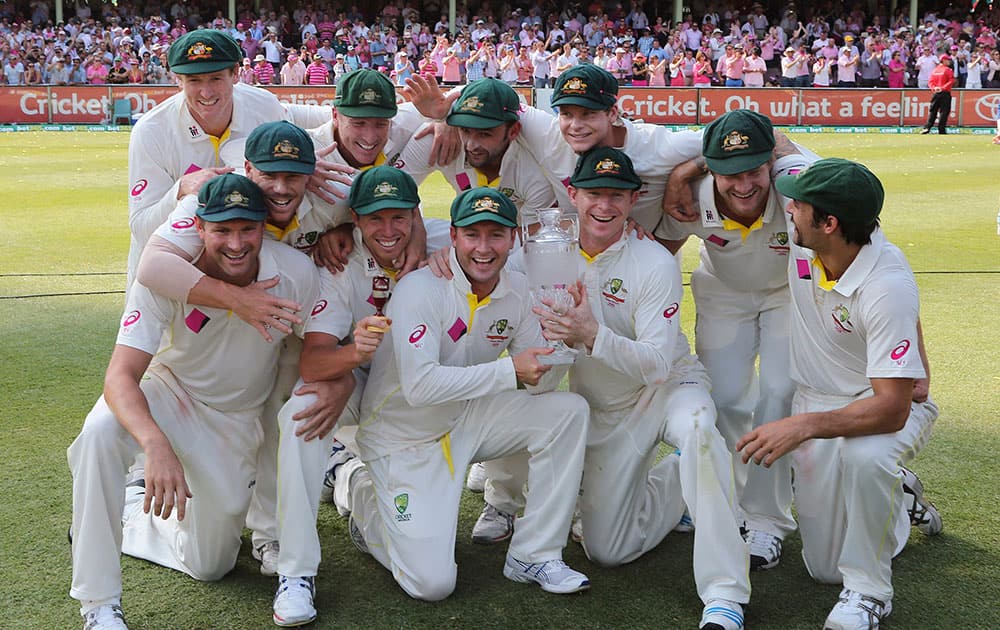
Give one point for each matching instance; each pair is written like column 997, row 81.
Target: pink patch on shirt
column 457, row 330
column 196, row 320
column 463, row 181
column 193, row 168
column 717, row 240
column 802, row 265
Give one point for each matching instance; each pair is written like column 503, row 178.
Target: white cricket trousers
column 628, row 508
column 406, row 503
column 262, row 518
column 733, row 329
column 849, row 497
column 218, row 451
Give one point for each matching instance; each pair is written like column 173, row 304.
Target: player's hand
column 427, row 97
column 367, row 337
column 765, row 444
column 254, row 305
column 317, row 420
column 440, row 263
column 447, row 144
column 415, row 252
column 573, row 326
column 191, row 183
column 921, row 389
column 330, row 181
column 166, row 487
column 333, row 248
column 526, row 366
column 631, row 225
column 678, row 200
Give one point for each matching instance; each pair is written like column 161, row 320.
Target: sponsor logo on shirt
column 418, row 333
column 182, row 224
column 715, row 239
column 319, row 307
column 803, row 269
column 842, row 319
column 139, row 187
column 671, row 310
column 194, row 131
column 130, row 319
column 898, row 354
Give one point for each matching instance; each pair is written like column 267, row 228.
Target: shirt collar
column 862, row 266
column 462, row 285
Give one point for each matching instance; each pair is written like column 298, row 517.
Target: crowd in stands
column 316, row 43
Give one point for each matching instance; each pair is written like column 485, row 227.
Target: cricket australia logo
column 369, row 96
column 495, row 333
column 471, row 104
column 614, row 292
column 575, row 86
column 778, row 243
column 385, row 189
column 306, row 240
column 402, row 503
column 607, row 166
column 486, row 204
column 236, row 198
column 735, row 141
column 842, row 319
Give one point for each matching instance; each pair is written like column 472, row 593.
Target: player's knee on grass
column 430, row 583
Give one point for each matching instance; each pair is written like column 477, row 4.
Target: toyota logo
column 986, row 106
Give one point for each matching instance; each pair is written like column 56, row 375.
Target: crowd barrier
column 878, row 107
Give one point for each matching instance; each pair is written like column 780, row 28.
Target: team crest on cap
column 735, row 141
column 486, row 204
column 369, row 95
column 607, row 166
column 285, row 150
column 236, row 198
column 576, row 85
column 472, row 104
column 199, row 51
column 385, row 189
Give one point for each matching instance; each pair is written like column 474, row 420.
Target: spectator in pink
column 754, row 69
column 246, row 73
column 316, row 72
column 896, row 71
column 702, row 70
column 97, row 71
column 263, row 71
column 677, row 70
column 294, row 71
column 658, row 71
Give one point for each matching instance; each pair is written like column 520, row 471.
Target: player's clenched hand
column 526, row 366
column 678, row 200
column 330, row 181
column 574, row 325
column 440, row 263
column 427, row 97
column 254, row 305
column 447, row 144
column 317, row 420
column 765, row 444
column 334, row 247
column 165, row 484
column 191, row 183
column 631, row 225
column 367, row 337
column 921, row 389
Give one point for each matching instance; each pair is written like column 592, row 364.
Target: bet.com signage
column 673, row 106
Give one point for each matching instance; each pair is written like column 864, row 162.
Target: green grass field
column 66, row 219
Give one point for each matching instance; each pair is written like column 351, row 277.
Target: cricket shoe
column 721, row 614
column 855, row 611
column 105, row 617
column 685, row 525
column 357, row 537
column 493, row 526
column 765, row 549
column 135, row 494
column 923, row 515
column 339, row 455
column 554, row 576
column 293, row 601
column 476, row 481
column 267, row 555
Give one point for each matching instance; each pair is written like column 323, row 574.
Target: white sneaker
column 357, row 537
column 493, row 526
column 765, row 549
column 267, row 555
column 293, row 602
column 722, row 614
column 476, row 481
column 554, row 576
column 923, row 515
column 685, row 525
column 855, row 611
column 135, row 494
column 106, row 617
column 339, row 455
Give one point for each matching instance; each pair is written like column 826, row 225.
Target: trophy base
column 559, row 357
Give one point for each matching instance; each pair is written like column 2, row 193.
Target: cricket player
column 644, row 387
column 856, row 356
column 487, row 116
column 185, row 386
column 439, row 397
column 174, row 148
column 741, row 296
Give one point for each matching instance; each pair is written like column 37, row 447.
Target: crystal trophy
column 551, row 259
